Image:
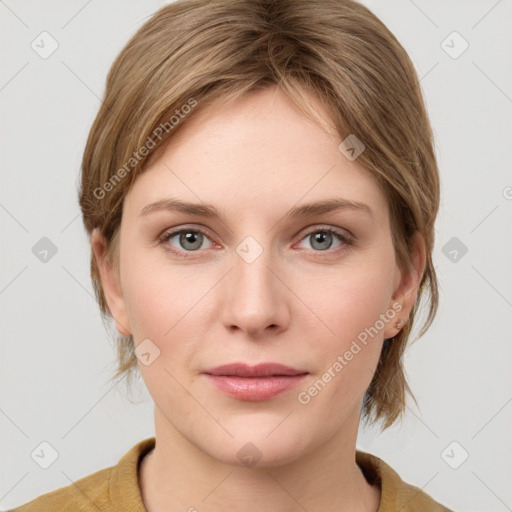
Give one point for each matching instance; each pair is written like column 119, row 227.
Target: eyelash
column 342, row 237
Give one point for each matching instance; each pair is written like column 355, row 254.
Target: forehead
column 258, row 149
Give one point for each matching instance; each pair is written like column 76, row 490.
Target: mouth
column 254, row 383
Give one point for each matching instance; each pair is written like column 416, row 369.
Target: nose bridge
column 256, row 297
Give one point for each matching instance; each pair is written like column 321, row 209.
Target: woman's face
column 240, row 267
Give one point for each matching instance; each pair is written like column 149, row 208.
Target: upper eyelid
column 174, row 231
column 205, row 230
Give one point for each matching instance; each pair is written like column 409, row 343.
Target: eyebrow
column 301, row 211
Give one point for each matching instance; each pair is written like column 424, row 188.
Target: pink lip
column 254, row 383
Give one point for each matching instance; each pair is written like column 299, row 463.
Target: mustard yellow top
column 116, row 489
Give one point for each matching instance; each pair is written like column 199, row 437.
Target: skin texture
column 295, row 304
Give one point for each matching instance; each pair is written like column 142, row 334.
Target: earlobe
column 110, row 282
column 407, row 290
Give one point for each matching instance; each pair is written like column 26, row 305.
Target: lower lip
column 255, row 389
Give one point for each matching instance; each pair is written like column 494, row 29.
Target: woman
column 260, row 190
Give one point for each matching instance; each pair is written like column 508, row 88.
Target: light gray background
column 56, row 355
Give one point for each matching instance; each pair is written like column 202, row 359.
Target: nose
column 255, row 299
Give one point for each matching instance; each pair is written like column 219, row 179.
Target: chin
column 254, row 448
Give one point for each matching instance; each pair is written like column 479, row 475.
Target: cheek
column 161, row 299
column 165, row 305
column 355, row 305
column 351, row 297
column 172, row 307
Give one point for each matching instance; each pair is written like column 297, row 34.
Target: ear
column 111, row 283
column 407, row 285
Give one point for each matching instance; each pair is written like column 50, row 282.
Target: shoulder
column 104, row 490
column 88, row 493
column 395, row 493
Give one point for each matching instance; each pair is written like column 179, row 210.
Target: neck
column 177, row 475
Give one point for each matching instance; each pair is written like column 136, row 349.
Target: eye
column 185, row 241
column 325, row 238
column 188, row 240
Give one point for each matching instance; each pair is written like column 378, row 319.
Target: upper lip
column 260, row 370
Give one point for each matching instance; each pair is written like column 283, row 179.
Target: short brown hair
column 193, row 52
